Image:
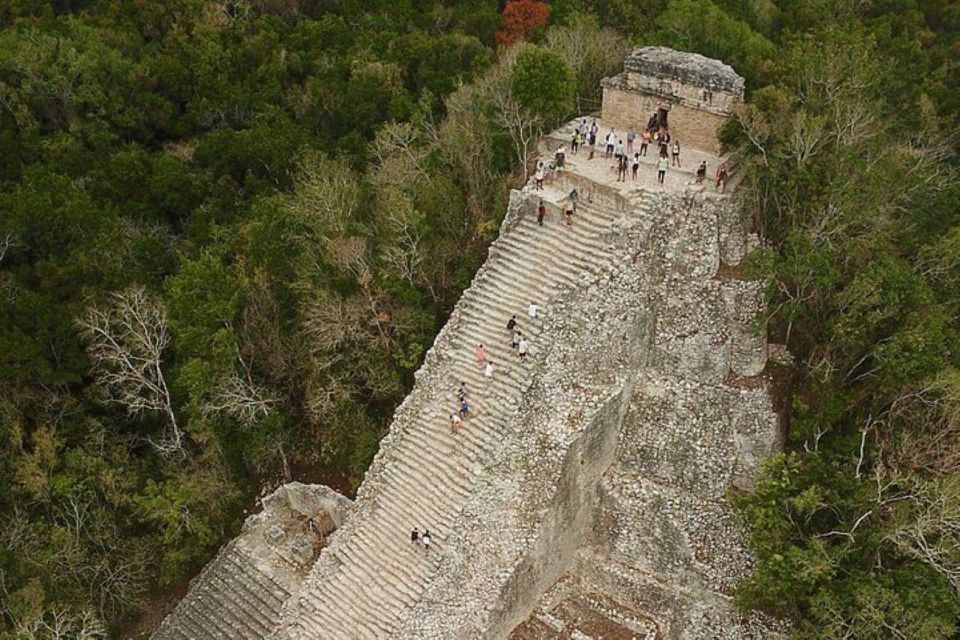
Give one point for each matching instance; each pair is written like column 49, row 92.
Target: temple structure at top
column 691, row 94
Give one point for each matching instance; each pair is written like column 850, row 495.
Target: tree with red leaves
column 519, row 18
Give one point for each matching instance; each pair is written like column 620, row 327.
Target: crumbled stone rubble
column 240, row 593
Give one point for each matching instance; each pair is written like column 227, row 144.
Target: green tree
column 543, row 84
column 705, row 28
column 853, row 291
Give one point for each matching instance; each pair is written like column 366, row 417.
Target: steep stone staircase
column 242, row 598
column 370, row 575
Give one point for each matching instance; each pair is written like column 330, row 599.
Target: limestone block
column 677, row 613
column 311, row 500
column 749, row 341
column 674, row 438
column 701, row 356
column 676, row 535
column 733, row 236
column 302, row 551
column 682, row 68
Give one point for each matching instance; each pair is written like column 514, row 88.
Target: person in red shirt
column 722, row 177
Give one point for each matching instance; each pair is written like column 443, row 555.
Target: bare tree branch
column 242, row 400
column 126, row 339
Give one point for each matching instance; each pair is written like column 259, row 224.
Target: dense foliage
column 851, row 176
column 229, row 231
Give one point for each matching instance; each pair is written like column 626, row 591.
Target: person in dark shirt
column 622, row 166
column 702, row 172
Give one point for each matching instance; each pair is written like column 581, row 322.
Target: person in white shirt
column 425, row 540
column 488, row 370
column 456, row 422
column 522, row 348
column 532, row 311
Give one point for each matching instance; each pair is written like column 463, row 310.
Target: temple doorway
column 662, row 117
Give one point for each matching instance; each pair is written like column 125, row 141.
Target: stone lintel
column 686, row 68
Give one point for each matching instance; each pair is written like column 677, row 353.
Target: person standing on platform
column 624, row 167
column 644, row 142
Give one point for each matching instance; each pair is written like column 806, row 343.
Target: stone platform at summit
column 585, row 495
